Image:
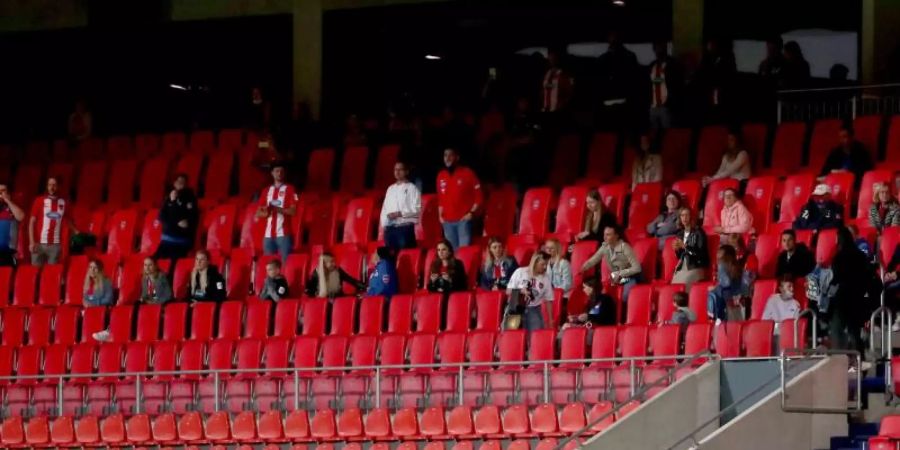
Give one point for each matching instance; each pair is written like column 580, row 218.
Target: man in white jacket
column 400, row 210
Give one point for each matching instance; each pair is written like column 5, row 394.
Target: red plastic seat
column 164, row 428
column 428, row 230
column 826, row 247
column 697, row 337
column 535, row 214
column 221, row 225
column 230, row 319
column 572, row 418
column 570, row 210
column 762, row 290
column 190, row 427
column 173, row 143
column 499, row 215
column 62, row 431
column 319, row 170
column 427, row 312
column 40, row 326
column 644, row 207
column 639, row 301
column 112, row 429
column 122, row 179
column 217, row 183
column 153, row 179
column 566, row 157
column 729, row 338
column 709, row 148
column 243, row 427
column 314, row 314
column 759, row 197
column 755, row 140
column 137, row 428
column 824, row 138
column 353, row 169
column 358, row 221
column 797, row 189
column 613, row 197
column 92, row 321
column 405, row 424
column 286, row 312
column 388, row 155
column 666, row 301
column 758, row 338
column 12, row 431
column 867, row 130
column 269, row 426
column 787, row 149
column 202, row 318
column 697, row 300
column 25, row 286
column 409, row 268
column 841, row 184
column 217, row 426
column 676, row 145
column 91, row 181
column 377, row 423
column 432, row 424
column 515, row 420
column 601, row 151
column 768, row 247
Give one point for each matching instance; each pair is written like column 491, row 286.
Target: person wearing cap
column 821, row 212
column 848, row 156
column 383, row 280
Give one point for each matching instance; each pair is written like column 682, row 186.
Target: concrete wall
column 766, row 426
column 666, row 417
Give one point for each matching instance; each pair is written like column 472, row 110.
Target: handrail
column 815, row 327
column 813, row 410
column 634, row 395
column 838, row 88
column 886, row 320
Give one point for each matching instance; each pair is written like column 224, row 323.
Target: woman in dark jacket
column 497, row 267
column 446, row 274
column 848, row 312
column 207, row 284
column 692, row 251
column 178, row 217
column 596, row 220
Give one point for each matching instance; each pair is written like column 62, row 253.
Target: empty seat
column 644, row 207
column 787, row 150
column 824, row 138
column 353, row 169
column 319, row 170
column 358, row 221
column 535, row 214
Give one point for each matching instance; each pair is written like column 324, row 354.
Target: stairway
column 858, row 438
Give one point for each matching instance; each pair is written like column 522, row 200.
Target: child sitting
column 683, row 316
column 782, row 305
column 275, row 287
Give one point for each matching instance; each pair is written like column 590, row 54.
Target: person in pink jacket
column 735, row 217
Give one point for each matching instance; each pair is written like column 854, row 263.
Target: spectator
column 682, row 316
column 625, row 269
column 597, row 218
column 557, row 85
column 747, row 260
column 619, row 75
column 459, row 199
column 81, row 123
column 665, row 224
column 735, row 217
column 715, row 80
column 782, row 305
column 647, row 165
column 354, row 135
column 446, row 274
column 275, row 287
column 848, row 312
column 497, row 267
column 795, row 260
column 771, row 69
column 259, row 114
column 534, row 289
column 98, row 290
column 383, row 280
column 178, row 216
column 155, row 287
column 691, row 249
column 327, row 281
column 666, row 84
column 400, row 210
column 278, row 204
column 796, row 69
column 600, row 308
column 10, row 217
column 735, row 162
column 885, row 211
column 892, row 286
column 558, row 267
column 48, row 214
column 861, row 242
column 724, row 299
column 207, row 284
column 848, row 156
column 820, row 211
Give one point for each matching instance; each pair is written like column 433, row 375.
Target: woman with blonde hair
column 558, row 267
column 885, row 211
column 98, row 290
column 327, row 281
column 534, row 288
column 207, row 284
column 497, row 266
column 597, row 218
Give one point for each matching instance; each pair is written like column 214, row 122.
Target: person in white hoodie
column 782, row 305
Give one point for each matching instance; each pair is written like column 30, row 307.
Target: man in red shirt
column 459, row 198
column 278, row 204
column 48, row 212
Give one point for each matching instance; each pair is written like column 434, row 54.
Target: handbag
column 515, row 309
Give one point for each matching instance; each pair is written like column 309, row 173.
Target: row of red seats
column 889, row 431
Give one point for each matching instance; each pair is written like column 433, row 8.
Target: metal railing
column 886, row 322
column 846, row 102
column 815, row 327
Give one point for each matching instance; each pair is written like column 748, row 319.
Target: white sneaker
column 102, row 336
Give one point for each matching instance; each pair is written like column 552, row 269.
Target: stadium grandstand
column 450, row 225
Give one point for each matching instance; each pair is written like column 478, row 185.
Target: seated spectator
column 724, row 299
column 497, row 267
column 848, row 156
column 683, row 316
column 533, row 288
column 80, row 123
column 625, row 269
column 885, row 211
column 275, row 287
column 599, row 309
column 327, row 281
column 892, row 286
column 11, row 216
column 178, row 216
column 821, row 212
column 596, row 220
column 747, row 261
column 691, row 249
column 647, row 165
column 207, row 284
column 861, row 242
column 155, row 287
column 558, row 267
column 735, row 161
column 98, row 290
column 383, row 280
column 735, row 217
column 666, row 223
column 782, row 305
column 795, row 260
column 446, row 274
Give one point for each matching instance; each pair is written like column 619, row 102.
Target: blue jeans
column 534, row 318
column 400, row 237
column 458, row 233
column 278, row 246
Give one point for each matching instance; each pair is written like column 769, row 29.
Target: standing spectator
column 782, row 305
column 178, row 216
column 446, row 274
column 98, row 290
column 735, row 161
column 619, row 75
column 848, row 312
column 625, row 269
column 599, row 308
column 666, row 224
column 596, row 220
column 885, row 211
column 459, row 199
column 497, row 266
column 259, row 114
column 735, row 217
column 10, row 217
column 848, row 156
column 557, row 86
column 647, row 164
column 327, row 280
column 795, row 260
column 275, row 287
column 400, row 210
column 559, row 268
column 383, row 280
column 666, row 83
column 715, row 80
column 155, row 287
column 81, row 123
column 796, row 69
column 771, row 69
column 278, row 204
column 48, row 214
column 534, row 289
column 207, row 284
column 820, row 211
column 691, row 249
column 724, row 299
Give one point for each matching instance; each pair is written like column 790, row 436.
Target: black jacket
column 183, row 208
column 274, row 289
column 799, row 265
column 695, row 252
column 607, row 219
column 215, row 287
column 607, row 314
column 812, row 217
column 852, row 276
column 857, row 161
column 312, row 284
column 456, row 283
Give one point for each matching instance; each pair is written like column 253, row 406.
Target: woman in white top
column 535, row 288
column 735, row 161
column 647, row 165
